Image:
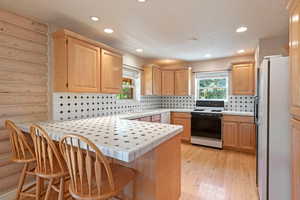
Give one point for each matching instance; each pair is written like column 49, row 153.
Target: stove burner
column 216, row 110
column 199, row 110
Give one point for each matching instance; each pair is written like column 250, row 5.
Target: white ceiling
column 163, row 27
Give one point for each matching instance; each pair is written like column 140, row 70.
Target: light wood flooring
column 210, row 174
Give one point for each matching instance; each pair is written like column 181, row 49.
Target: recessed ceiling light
column 141, row 1
column 108, row 30
column 94, row 18
column 241, row 51
column 139, row 50
column 208, row 55
column 242, row 29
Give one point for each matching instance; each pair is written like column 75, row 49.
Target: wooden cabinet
column 111, row 72
column 151, row 81
column 182, row 82
column 168, row 83
column 156, row 81
column 295, row 56
column 239, row 133
column 183, row 119
column 243, row 79
column 230, row 134
column 294, row 51
column 83, row 66
column 79, row 65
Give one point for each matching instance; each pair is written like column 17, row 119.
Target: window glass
column 212, row 88
column 127, row 89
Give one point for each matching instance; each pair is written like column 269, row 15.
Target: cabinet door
column 247, row 137
column 295, row 159
column 83, row 66
column 230, row 135
column 243, row 79
column 111, row 72
column 156, row 81
column 295, row 61
column 186, row 123
column 182, row 82
column 168, row 83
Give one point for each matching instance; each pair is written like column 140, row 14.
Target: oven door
column 206, row 125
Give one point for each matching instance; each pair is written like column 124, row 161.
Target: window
column 127, row 89
column 212, row 86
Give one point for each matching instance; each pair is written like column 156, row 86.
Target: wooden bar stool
column 21, row 153
column 50, row 164
column 92, row 177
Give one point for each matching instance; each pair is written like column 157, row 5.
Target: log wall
column 23, row 82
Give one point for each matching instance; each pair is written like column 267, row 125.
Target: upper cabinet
column 183, row 82
column 294, row 9
column 111, row 72
column 243, row 79
column 168, row 83
column 84, row 65
column 151, row 80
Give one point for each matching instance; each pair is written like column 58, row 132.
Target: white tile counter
column 251, row 114
column 122, row 139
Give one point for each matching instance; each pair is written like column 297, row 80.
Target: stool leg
column 49, row 189
column 38, row 188
column 61, row 188
column 21, row 181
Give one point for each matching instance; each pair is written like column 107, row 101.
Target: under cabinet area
column 84, row 65
column 239, row 133
column 184, row 119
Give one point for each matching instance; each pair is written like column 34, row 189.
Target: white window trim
column 212, row 75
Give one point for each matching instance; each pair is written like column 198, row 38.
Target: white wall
column 219, row 64
column 273, row 46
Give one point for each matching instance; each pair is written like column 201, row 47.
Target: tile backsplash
column 234, row 103
column 68, row 106
column 187, row 102
column 240, row 103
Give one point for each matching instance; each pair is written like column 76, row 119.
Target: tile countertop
column 145, row 113
column 116, row 137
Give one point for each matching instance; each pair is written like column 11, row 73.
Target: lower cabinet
column 183, row 119
column 239, row 133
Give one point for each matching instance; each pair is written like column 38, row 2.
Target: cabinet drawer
column 156, row 118
column 181, row 115
column 235, row 118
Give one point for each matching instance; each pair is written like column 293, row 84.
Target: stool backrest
column 87, row 167
column 48, row 157
column 21, row 150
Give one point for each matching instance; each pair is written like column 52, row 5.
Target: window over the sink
column 127, row 89
column 212, row 86
column 130, row 84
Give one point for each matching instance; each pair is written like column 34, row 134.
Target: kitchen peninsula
column 153, row 149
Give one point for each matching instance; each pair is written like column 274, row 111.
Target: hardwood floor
column 210, row 174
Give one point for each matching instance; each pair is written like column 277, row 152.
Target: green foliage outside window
column 212, row 88
column 127, row 89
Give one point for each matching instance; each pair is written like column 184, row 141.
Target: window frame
column 197, row 88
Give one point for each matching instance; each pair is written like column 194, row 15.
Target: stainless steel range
column 207, row 123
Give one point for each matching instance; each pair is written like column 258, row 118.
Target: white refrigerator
column 273, row 136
